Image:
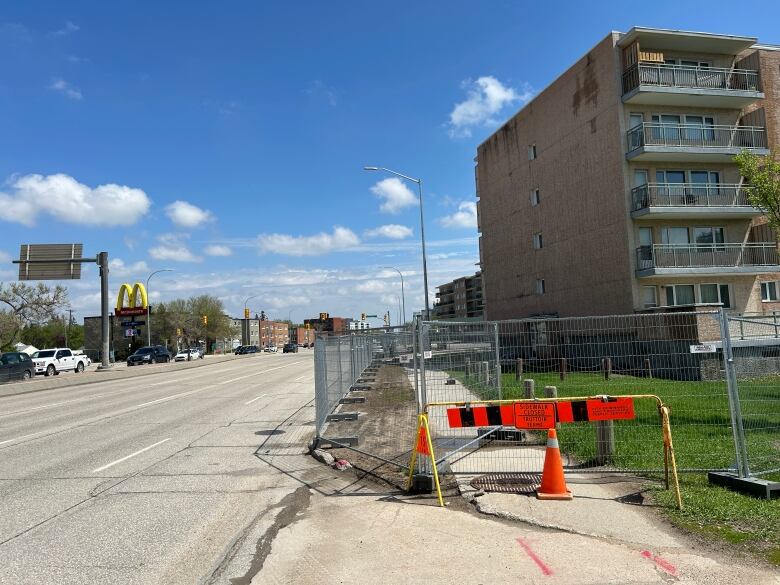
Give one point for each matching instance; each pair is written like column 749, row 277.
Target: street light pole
column 403, row 295
column 246, row 319
column 422, row 230
column 148, row 311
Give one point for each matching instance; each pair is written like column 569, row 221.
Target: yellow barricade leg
column 422, row 424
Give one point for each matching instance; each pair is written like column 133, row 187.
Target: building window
column 768, row 291
column 715, row 293
column 535, row 197
column 649, row 297
column 540, row 286
column 531, row 152
column 680, row 294
column 709, row 235
column 538, row 241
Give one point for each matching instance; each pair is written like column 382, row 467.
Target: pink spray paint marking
column 661, row 562
column 534, row 557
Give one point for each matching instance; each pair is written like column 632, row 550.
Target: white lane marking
column 20, row 438
column 257, row 373
column 26, row 410
column 161, row 383
column 131, row 455
column 171, row 397
column 254, row 399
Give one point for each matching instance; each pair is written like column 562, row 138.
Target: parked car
column 16, row 366
column 252, row 349
column 150, row 354
column 290, row 348
column 51, row 362
column 187, row 355
column 270, row 349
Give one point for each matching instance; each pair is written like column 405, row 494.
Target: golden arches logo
column 133, row 295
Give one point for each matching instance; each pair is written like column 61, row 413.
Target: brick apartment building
column 301, row 335
column 331, row 325
column 615, row 189
column 460, row 299
column 274, row 333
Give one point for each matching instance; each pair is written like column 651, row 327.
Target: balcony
column 654, row 141
column 682, row 200
column 684, row 85
column 706, row 259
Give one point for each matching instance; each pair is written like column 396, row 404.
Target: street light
column 403, row 295
column 246, row 319
column 148, row 310
column 422, row 229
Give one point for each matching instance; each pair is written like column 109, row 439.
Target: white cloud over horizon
column 392, row 231
column 69, row 28
column 65, row 88
column 118, row 267
column 72, row 202
column 316, row 245
column 486, row 97
column 395, row 195
column 465, row 217
column 218, row 250
column 186, row 215
column 173, row 247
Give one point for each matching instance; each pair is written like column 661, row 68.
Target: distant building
column 301, row 335
column 331, row 325
column 359, row 325
column 274, row 333
column 460, row 299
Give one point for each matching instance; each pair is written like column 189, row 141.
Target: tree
column 22, row 304
column 762, row 173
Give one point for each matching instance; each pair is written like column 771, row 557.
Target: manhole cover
column 508, row 483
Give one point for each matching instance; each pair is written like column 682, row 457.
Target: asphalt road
column 148, row 479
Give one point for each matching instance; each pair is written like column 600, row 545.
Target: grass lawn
column 702, row 435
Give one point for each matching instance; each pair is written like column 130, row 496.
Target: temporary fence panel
column 755, row 365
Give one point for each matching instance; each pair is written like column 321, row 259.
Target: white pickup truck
column 60, row 359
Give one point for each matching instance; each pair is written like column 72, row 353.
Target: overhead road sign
column 51, row 261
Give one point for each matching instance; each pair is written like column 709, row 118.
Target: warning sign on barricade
column 596, row 409
column 534, row 415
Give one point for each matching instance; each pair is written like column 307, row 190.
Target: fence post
column 606, row 365
column 735, row 409
column 528, row 388
column 341, row 367
column 605, row 441
column 498, row 359
column 563, row 369
column 648, row 369
column 416, row 363
column 519, row 369
column 423, row 381
column 552, row 392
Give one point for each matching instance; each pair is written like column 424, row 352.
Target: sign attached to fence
column 704, row 348
column 428, row 355
column 530, row 415
column 592, row 410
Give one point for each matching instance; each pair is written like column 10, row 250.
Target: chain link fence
column 725, row 413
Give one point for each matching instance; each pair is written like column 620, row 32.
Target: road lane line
column 20, row 438
column 161, row 383
column 166, row 398
column 129, row 456
column 253, row 399
column 257, row 373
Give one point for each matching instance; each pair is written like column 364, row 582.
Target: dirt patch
column 385, row 427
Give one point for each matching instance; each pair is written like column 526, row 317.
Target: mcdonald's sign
column 131, row 300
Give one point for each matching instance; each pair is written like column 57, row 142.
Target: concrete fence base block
column 352, row 400
column 339, row 416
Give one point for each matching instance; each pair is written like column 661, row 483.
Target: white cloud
column 66, row 89
column 487, row 96
column 392, row 231
column 66, row 30
column 64, row 198
column 218, row 250
column 323, row 243
column 172, row 247
column 395, row 194
column 4, row 257
column 118, row 267
column 186, row 215
column 465, row 217
column 372, row 287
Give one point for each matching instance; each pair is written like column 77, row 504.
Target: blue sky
column 226, row 141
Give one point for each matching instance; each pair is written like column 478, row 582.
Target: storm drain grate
column 508, row 483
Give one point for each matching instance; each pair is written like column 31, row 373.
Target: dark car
column 241, row 349
column 290, row 348
column 251, row 349
column 15, row 366
column 149, row 355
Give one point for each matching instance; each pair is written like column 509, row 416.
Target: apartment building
column 248, row 330
column 274, row 333
column 615, row 189
column 460, row 299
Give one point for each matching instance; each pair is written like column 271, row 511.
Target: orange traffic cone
column 553, row 482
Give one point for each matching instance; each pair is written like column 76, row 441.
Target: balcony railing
column 706, row 255
column 689, row 76
column 696, row 136
column 689, row 195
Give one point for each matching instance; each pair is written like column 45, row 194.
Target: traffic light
column 386, row 318
column 178, row 332
column 308, row 325
column 324, row 316
column 246, row 313
column 205, row 319
column 362, row 316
